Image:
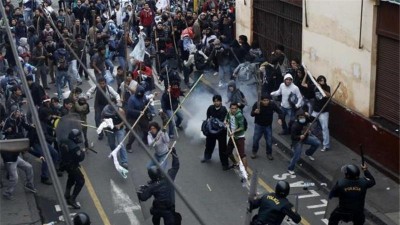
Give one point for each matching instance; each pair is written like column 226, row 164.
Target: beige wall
column 331, row 47
column 244, row 18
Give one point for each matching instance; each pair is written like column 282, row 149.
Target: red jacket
column 146, row 17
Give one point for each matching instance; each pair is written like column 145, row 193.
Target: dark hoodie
column 320, row 100
column 297, row 127
column 136, row 103
column 236, row 95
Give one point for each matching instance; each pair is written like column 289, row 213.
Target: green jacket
column 239, row 123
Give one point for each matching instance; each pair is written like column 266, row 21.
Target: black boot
column 72, row 202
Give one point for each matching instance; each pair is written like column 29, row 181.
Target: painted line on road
column 269, row 189
column 95, row 199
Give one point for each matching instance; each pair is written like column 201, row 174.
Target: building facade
column 353, row 42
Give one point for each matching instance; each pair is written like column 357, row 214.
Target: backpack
column 212, row 126
column 293, row 99
column 199, row 61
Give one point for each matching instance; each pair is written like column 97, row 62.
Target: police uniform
column 273, row 210
column 351, row 194
column 71, row 156
column 164, row 195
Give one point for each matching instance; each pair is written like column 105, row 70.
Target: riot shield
column 65, row 124
column 333, row 202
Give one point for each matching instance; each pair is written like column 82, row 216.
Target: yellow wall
column 244, row 18
column 331, row 47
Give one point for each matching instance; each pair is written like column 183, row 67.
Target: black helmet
column 154, row 173
column 282, row 188
column 351, row 171
column 81, row 219
column 75, row 135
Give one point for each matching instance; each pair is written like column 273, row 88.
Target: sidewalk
column 382, row 201
column 22, row 209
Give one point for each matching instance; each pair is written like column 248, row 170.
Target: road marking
column 313, row 194
column 95, row 199
column 324, row 204
column 319, row 213
column 284, row 176
column 58, row 208
column 208, row 187
column 124, row 203
column 269, row 189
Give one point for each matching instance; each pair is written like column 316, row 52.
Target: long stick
column 237, row 152
column 170, row 100
column 362, row 155
column 157, row 53
column 87, row 125
column 35, row 118
column 314, row 81
column 137, row 120
column 183, row 100
column 60, row 196
column 169, row 152
column 326, row 104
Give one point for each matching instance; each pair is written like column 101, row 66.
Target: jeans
column 177, row 122
column 13, row 173
column 73, row 71
column 41, row 74
column 122, row 61
column 324, row 120
column 28, row 16
column 224, row 70
column 60, row 76
column 37, row 150
column 297, row 148
column 259, row 131
column 291, row 114
column 97, row 116
column 110, row 65
column 162, row 159
column 116, row 138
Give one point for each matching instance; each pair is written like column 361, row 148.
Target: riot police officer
column 274, row 207
column 351, row 192
column 163, row 192
column 81, row 219
column 71, row 156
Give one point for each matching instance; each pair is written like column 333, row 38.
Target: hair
column 233, row 104
column 154, row 124
column 243, row 38
column 101, row 79
column 297, row 60
column 67, row 101
column 255, row 44
column 217, row 97
column 280, row 47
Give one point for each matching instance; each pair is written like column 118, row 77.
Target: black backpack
column 245, row 124
column 212, row 126
column 199, row 61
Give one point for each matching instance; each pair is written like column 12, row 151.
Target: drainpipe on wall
column 305, row 12
column 360, row 46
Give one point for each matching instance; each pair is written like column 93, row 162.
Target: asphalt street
column 217, row 196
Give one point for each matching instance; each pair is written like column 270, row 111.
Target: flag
column 140, row 49
column 119, row 168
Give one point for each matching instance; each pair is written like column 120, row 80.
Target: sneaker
column 125, row 165
column 171, row 136
column 220, row 84
column 73, row 203
column 100, row 137
column 311, row 158
column 204, row 160
column 269, row 156
column 324, row 149
column 215, row 74
column 253, row 155
column 46, row 181
column 30, row 188
column 7, row 196
column 129, row 150
column 291, row 172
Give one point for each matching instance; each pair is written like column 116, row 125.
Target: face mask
column 302, row 120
